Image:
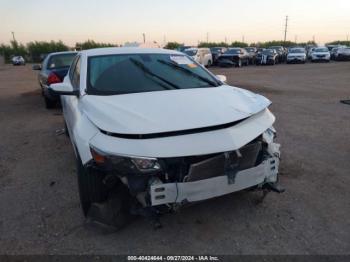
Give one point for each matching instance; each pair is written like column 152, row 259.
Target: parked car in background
column 267, row 57
column 18, row 60
column 183, row 48
column 296, row 55
column 281, row 52
column 216, row 52
column 333, row 52
column 309, row 52
column 342, row 54
column 52, row 70
column 200, row 55
column 152, row 131
column 320, row 54
column 252, row 51
column 234, row 57
column 330, row 47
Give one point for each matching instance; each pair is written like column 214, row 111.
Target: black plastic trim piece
column 174, row 133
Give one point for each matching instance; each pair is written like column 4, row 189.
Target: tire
column 91, row 187
column 49, row 104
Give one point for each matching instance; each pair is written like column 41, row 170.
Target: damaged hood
column 174, row 110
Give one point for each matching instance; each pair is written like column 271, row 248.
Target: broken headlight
column 125, row 164
column 269, row 135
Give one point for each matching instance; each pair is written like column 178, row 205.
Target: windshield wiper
column 148, row 71
column 188, row 71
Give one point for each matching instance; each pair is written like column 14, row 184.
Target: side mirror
column 36, row 67
column 222, row 78
column 63, row 89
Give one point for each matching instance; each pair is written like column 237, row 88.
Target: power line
column 285, row 29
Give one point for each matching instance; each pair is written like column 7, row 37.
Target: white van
column 202, row 56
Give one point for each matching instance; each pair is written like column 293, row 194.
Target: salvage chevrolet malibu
column 153, row 130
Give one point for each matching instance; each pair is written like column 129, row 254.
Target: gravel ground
column 39, row 206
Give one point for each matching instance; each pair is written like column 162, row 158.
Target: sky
column 185, row 21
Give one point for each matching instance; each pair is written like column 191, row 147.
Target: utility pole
column 286, row 29
column 207, row 37
column 242, row 38
column 13, row 36
column 144, row 37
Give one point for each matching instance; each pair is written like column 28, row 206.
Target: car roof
column 127, row 50
column 63, row 53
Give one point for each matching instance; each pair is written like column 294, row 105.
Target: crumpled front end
column 205, row 177
column 173, row 181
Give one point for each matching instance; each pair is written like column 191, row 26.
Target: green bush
column 14, row 49
column 172, row 45
column 38, row 50
column 90, row 44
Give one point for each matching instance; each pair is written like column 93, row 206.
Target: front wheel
column 49, row 104
column 91, row 187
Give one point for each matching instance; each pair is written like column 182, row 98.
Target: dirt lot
column 39, row 206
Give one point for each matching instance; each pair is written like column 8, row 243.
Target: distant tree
column 339, row 42
column 274, row 43
column 238, row 44
column 212, row 44
column 38, row 50
column 172, row 45
column 90, row 44
column 15, row 48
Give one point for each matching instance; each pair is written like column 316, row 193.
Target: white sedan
column 320, row 54
column 153, row 129
column 202, row 56
column 296, row 55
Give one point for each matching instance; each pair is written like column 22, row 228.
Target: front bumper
column 296, row 59
column 324, row 58
column 186, row 192
column 343, row 57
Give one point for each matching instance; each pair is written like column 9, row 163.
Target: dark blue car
column 53, row 70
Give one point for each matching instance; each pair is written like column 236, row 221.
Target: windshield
column 215, row 49
column 191, row 52
column 136, row 73
column 278, row 48
column 324, row 49
column 268, row 52
column 233, row 51
column 59, row 61
column 297, row 50
column 250, row 49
